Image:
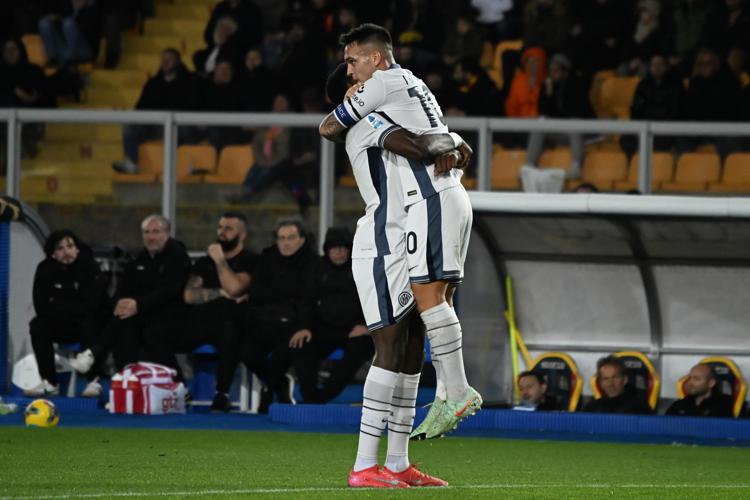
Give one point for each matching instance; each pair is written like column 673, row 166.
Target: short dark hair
column 337, row 84
column 531, row 373
column 366, row 33
column 55, row 237
column 291, row 222
column 233, row 214
column 174, row 52
column 611, row 360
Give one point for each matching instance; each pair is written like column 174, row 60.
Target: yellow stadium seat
column 35, row 49
column 347, row 180
column 194, row 161
column 642, row 377
column 555, row 158
column 234, row 163
column 617, row 96
column 662, row 170
column 736, row 175
column 729, row 381
column 694, row 172
column 506, row 167
column 468, row 182
column 562, row 377
column 603, row 169
column 495, row 71
column 150, row 160
column 595, row 94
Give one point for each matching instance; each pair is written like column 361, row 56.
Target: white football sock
column 376, row 408
column 444, row 332
column 440, row 391
column 401, row 421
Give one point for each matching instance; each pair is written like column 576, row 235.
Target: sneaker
column 420, row 432
column 83, row 361
column 221, row 403
column 125, row 167
column 93, row 389
column 415, row 477
column 374, row 477
column 453, row 411
column 43, row 389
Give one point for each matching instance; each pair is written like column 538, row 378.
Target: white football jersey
column 403, row 101
column 381, row 230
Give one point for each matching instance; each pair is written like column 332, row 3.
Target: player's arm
column 332, row 129
column 195, row 294
column 358, row 102
column 445, row 150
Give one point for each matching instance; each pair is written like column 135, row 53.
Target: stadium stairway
column 74, row 161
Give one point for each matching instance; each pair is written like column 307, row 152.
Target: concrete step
column 78, row 169
column 122, row 98
column 83, row 133
column 117, row 78
column 140, row 62
column 198, row 11
column 188, row 28
column 77, row 151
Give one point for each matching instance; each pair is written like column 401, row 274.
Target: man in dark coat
column 611, row 377
column 702, row 398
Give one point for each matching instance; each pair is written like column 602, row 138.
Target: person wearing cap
column 335, row 322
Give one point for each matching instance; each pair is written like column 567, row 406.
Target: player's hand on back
column 300, row 338
column 466, row 154
column 446, row 161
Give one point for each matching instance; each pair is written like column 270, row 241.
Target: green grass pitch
column 70, row 463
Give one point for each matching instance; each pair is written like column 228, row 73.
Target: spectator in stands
column 149, row 291
column 466, row 41
column 648, row 38
column 72, row 34
column 523, row 98
column 690, row 22
column 69, row 300
column 658, row 97
column 220, row 93
column 585, row 188
column 258, row 81
column 729, row 26
column 546, row 25
column 477, row 94
column 611, row 378
column 534, row 393
column 602, row 25
column 301, row 64
column 277, row 306
column 173, row 88
column 701, row 399
column 215, row 291
column 497, row 18
column 714, row 95
column 564, row 95
column 246, row 16
column 224, row 46
column 335, row 322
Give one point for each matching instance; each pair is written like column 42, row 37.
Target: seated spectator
column 523, row 97
column 214, row 292
column 277, row 308
column 222, row 47
column 69, row 300
column 72, row 35
column 714, row 95
column 497, row 18
column 301, row 64
column 245, row 15
column 149, row 291
column 611, row 378
column 173, row 88
column 477, row 94
column 690, row 19
column 700, row 398
column 465, row 42
column 728, row 27
column 534, row 393
column 256, row 75
column 546, row 24
column 647, row 39
column 564, row 95
column 658, row 97
column 600, row 32
column 220, row 93
column 335, row 322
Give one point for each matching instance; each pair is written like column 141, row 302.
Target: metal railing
column 483, row 127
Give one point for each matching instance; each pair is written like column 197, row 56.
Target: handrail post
column 484, row 157
column 13, row 155
column 169, row 179
column 645, row 149
column 325, row 215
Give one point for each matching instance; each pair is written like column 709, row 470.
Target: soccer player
column 439, row 216
column 381, row 273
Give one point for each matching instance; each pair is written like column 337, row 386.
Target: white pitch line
column 258, row 491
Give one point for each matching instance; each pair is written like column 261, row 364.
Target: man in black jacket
column 534, row 395
column 701, row 399
column 611, row 377
column 173, row 88
column 277, row 308
column 214, row 292
column 336, row 322
column 69, row 295
column 72, row 34
column 150, row 291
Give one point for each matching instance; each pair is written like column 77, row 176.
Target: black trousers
column 45, row 331
column 122, row 337
column 265, row 351
column 163, row 339
column 306, row 362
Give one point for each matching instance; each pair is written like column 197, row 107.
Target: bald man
column 701, row 400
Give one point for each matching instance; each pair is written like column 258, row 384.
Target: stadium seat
column 495, row 71
column 234, row 162
column 347, row 180
column 506, row 167
column 150, row 159
column 736, row 175
column 729, row 381
column 595, row 94
column 617, row 96
column 603, row 169
column 642, row 377
column 194, row 161
column 694, row 172
column 35, row 49
column 662, row 170
column 555, row 158
column 468, row 182
column 562, row 377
